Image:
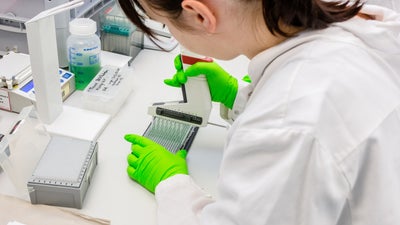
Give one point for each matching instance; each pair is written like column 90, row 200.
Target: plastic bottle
column 83, row 51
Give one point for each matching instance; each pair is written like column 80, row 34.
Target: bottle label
column 85, row 64
column 84, row 56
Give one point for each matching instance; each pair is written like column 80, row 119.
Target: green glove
column 150, row 163
column 246, row 78
column 223, row 86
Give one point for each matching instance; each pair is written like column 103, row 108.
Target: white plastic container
column 83, row 51
column 108, row 90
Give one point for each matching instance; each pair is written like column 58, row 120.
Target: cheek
column 188, row 38
column 197, row 43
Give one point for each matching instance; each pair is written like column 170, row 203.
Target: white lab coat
column 318, row 141
column 391, row 4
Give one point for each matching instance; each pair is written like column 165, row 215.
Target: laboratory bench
column 112, row 195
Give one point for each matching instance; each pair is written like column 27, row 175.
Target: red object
column 189, row 60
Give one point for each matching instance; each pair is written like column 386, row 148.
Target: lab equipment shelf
column 14, row 14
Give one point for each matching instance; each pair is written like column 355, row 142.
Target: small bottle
column 84, row 48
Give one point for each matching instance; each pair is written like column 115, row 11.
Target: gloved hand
column 150, row 163
column 223, row 87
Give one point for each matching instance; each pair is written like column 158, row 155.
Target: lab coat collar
column 383, row 35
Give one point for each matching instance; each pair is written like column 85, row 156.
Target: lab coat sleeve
column 180, row 201
column 244, row 91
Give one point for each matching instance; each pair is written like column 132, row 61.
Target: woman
column 315, row 136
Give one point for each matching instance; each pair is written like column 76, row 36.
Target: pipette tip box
column 174, row 136
column 63, row 174
column 119, row 35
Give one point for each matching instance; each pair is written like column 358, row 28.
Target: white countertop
column 112, row 194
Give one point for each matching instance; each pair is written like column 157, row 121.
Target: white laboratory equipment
column 47, row 169
column 16, row 83
column 14, row 14
column 175, row 123
column 196, row 105
column 59, row 118
column 22, row 148
column 84, row 48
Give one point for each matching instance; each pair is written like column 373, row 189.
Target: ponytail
column 307, row 14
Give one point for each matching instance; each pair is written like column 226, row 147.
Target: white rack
column 14, row 14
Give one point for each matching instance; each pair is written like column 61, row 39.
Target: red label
column 189, row 60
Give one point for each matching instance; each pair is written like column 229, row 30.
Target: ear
column 201, row 14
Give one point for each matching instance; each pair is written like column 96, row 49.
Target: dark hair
column 307, row 14
column 172, row 7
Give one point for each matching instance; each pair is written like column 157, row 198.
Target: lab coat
column 391, row 4
column 316, row 138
